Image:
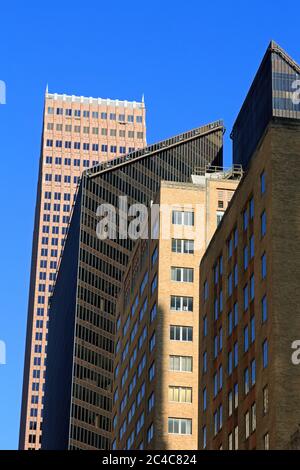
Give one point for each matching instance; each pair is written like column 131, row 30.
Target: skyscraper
column 155, row 395
column 250, row 280
column 78, row 398
column 78, row 133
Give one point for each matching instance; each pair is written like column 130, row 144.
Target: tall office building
column 155, row 395
column 78, row 133
column 249, row 368
column 80, row 356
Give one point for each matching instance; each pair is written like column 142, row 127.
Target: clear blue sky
column 193, row 61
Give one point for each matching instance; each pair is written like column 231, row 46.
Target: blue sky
column 194, row 63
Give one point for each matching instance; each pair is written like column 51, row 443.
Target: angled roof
column 154, row 148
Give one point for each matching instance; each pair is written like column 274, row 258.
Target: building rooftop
column 95, row 101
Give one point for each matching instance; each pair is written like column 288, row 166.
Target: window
column 205, row 326
column 265, row 353
column 263, row 266
column 154, row 256
column 229, row 363
column 229, row 285
column 247, row 425
column 180, row 394
column 245, row 257
column 235, row 237
column 236, row 437
column 151, row 401
column 181, row 363
column 252, row 328
column 229, row 247
column 182, row 274
column 236, row 315
column 182, row 246
column 204, row 398
column 246, row 381
column 266, row 441
column 264, row 311
column 229, row 321
column 236, row 395
column 181, row 333
column 245, row 219
column 251, row 246
column 253, row 417
column 204, row 433
column 246, row 300
column 236, row 354
column 265, row 400
column 235, row 275
column 151, row 372
column 150, row 433
column 263, row 183
column 253, row 372
column 153, row 313
column 204, row 362
column 252, row 287
column 182, row 217
column 263, row 223
column 246, row 338
column 230, row 442
column 205, row 291
column 179, row 426
column 181, row 304
column 230, row 403
column 152, row 342
column 251, row 208
column 154, row 284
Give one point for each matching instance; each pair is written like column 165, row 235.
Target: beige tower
column 156, row 365
column 78, row 133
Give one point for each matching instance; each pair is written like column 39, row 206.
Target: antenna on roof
column 46, row 89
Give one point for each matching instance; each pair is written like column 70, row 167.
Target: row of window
column 93, row 114
column 94, row 130
column 68, row 144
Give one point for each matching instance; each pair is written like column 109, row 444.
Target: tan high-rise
column 78, row 133
column 156, row 365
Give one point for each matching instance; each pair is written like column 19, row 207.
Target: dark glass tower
column 270, row 97
column 78, row 401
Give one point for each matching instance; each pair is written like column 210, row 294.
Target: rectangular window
column 252, row 287
column 265, row 400
column 246, row 338
column 251, row 246
column 183, row 218
column 253, row 372
column 263, row 223
column 264, row 311
column 245, row 219
column 179, row 426
column 263, row 182
column 245, row 257
column 182, row 274
column 181, row 304
column 182, row 246
column 246, row 299
column 251, row 208
column 246, row 381
column 263, row 266
column 230, row 403
column 265, row 353
column 253, row 417
column 180, row 394
column 181, row 363
column 181, row 333
column 247, row 425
